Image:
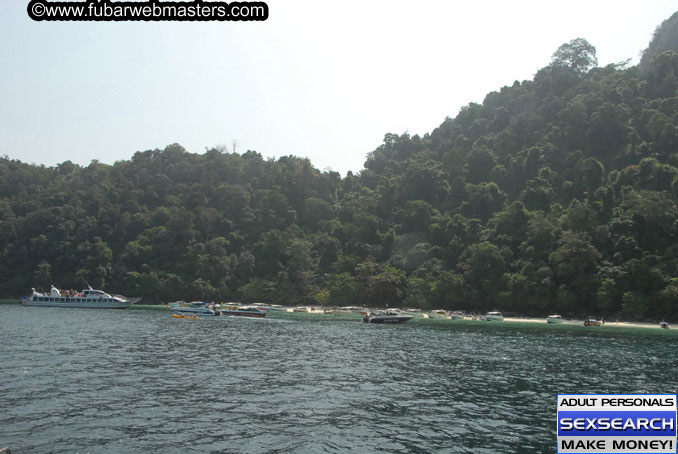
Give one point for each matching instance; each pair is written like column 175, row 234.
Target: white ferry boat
column 89, row 298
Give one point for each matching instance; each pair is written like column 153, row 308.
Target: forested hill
column 557, row 194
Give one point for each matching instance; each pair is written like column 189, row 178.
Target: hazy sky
column 320, row 79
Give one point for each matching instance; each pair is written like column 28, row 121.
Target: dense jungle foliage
column 558, row 194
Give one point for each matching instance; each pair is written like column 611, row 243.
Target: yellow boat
column 182, row 315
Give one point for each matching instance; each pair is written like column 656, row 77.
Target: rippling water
column 132, row 381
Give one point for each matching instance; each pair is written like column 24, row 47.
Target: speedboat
column 343, row 310
column 269, row 307
column 243, row 311
column 415, row 313
column 199, row 308
column 89, row 298
column 457, row 315
column 348, row 310
column 555, row 318
column 592, row 322
column 494, row 317
column 664, row 325
column 387, row 316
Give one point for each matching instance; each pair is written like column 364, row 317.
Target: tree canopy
column 665, row 38
column 557, row 194
column 578, row 54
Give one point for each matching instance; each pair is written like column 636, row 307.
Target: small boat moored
column 387, row 316
column 269, row 307
column 349, row 309
column 457, row 315
column 592, row 322
column 554, row 319
column 494, row 317
column 182, row 315
column 439, row 313
column 664, row 325
column 199, row 308
column 243, row 311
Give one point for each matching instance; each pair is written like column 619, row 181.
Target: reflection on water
column 76, row 380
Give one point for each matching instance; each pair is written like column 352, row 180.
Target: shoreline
column 577, row 322
column 531, row 320
column 568, row 322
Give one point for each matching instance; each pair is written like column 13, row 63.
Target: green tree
column 483, row 267
column 387, row 288
column 608, row 297
column 344, row 290
column 578, row 54
column 665, row 38
column 42, row 275
column 259, row 290
column 574, row 264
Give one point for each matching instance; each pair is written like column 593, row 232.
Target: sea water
column 135, row 381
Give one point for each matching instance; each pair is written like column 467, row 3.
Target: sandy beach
column 581, row 322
